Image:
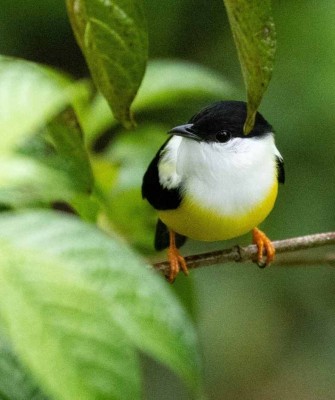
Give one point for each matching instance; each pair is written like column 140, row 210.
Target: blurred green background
column 265, row 334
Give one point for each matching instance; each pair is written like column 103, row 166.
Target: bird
column 210, row 181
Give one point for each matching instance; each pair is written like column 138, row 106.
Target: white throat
column 230, row 178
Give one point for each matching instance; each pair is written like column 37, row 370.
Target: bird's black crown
column 227, row 116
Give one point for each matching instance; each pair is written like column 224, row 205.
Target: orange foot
column 177, row 261
column 263, row 243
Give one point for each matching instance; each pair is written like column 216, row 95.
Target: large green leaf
column 60, row 329
column 15, row 383
column 73, row 291
column 166, row 84
column 255, row 38
column 113, row 38
column 30, row 96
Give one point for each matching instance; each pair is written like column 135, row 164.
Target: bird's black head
column 222, row 121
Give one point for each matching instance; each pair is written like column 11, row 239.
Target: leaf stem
column 248, row 253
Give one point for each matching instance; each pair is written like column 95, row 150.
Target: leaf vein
column 117, row 66
column 118, row 38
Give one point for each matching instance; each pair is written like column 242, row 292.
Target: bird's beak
column 185, row 131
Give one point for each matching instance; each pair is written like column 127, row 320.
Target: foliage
column 55, row 295
column 254, row 33
column 113, row 37
column 85, row 303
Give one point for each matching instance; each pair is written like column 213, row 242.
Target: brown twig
column 248, row 253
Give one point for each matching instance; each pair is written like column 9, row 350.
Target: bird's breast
column 226, row 190
column 199, row 221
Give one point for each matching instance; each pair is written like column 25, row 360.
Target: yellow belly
column 199, row 223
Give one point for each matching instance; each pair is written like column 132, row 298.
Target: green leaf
column 38, row 175
column 255, row 38
column 15, row 383
column 67, row 139
column 167, row 84
column 81, row 298
column 52, row 166
column 25, row 181
column 113, row 38
column 60, row 329
column 31, row 95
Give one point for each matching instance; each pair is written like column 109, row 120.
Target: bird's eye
column 223, row 136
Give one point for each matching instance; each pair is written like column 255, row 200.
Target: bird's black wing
column 161, row 199
column 158, row 196
column 280, row 170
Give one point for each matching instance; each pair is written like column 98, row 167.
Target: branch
column 248, row 253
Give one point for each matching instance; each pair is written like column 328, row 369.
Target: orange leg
column 263, row 243
column 177, row 261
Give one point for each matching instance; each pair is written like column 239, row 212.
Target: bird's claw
column 177, row 263
column 263, row 244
